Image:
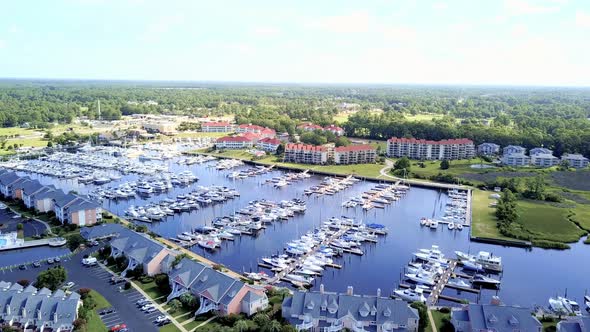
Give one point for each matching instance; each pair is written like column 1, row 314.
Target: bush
column 127, row 285
column 163, row 283
column 84, row 292
column 445, row 310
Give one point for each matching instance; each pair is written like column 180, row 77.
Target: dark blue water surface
column 530, row 276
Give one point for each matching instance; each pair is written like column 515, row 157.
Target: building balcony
column 304, row 326
column 335, row 327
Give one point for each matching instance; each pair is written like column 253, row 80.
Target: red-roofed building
column 355, row 154
column 305, row 154
column 234, row 142
column 217, row 127
column 308, row 126
column 262, row 131
column 268, row 144
column 448, row 149
column 334, row 130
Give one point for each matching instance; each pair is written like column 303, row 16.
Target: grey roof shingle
column 501, row 318
column 578, row 324
column 100, row 231
column 136, row 246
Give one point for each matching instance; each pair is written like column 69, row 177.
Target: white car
column 161, row 318
column 152, row 309
column 147, row 307
column 68, row 285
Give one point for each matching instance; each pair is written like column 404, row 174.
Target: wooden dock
column 441, row 283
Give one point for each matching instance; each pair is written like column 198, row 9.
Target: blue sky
column 520, row 42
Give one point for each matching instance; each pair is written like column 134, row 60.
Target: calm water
column 530, row 276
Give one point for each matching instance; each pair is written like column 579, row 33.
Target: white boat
column 486, row 259
column 564, row 306
column 410, row 295
column 256, row 276
column 459, row 283
column 207, row 244
column 421, row 278
column 433, row 224
column 479, row 279
column 451, row 225
column 459, row 226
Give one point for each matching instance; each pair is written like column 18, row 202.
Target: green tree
column 422, row 313
column 262, row 320
column 241, row 325
column 51, row 278
column 174, row 305
column 189, row 301
column 74, row 241
column 402, row 166
column 445, row 164
column 19, row 226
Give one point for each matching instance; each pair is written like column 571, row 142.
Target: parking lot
column 97, row 278
column 9, row 222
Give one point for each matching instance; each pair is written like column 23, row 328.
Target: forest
column 557, row 118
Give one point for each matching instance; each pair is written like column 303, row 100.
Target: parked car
column 107, row 311
column 142, row 302
column 57, row 259
column 68, row 285
column 164, row 322
column 50, row 261
column 117, row 280
column 150, row 310
column 22, row 267
column 147, row 307
column 118, row 328
column 37, row 264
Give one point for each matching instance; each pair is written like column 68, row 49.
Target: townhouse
column 268, row 144
column 161, row 127
column 73, row 209
column 536, row 151
column 305, row 154
column 139, row 249
column 216, row 290
column 355, row 154
column 217, row 127
column 38, row 310
column 494, row 317
column 575, row 160
column 488, row 149
column 8, row 181
column 334, row 130
column 325, row 311
column 28, row 189
column 308, row 126
column 574, row 324
column 421, row 149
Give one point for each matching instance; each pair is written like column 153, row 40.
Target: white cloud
column 440, row 6
column 160, row 27
column 266, row 31
column 356, row 22
column 526, row 7
column 583, row 19
column 2, row 43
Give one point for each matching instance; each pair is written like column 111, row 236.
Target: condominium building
column 544, row 160
column 308, row 126
column 516, row 159
column 536, row 151
column 268, row 144
column 334, row 130
column 510, row 149
column 355, row 154
column 162, row 127
column 451, row 149
column 575, row 160
column 488, row 149
column 305, row 154
column 255, row 129
column 217, row 127
column 494, row 317
column 234, row 142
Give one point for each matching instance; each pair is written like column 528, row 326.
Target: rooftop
column 423, row 141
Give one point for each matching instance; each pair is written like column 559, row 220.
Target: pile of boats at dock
column 82, row 174
column 250, row 172
column 287, row 179
column 308, row 256
column 378, row 197
column 224, row 164
column 425, row 272
column 455, row 216
column 182, row 203
column 106, row 161
column 331, row 186
column 192, row 160
column 146, row 186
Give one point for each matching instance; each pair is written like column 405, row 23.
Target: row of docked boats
column 146, row 186
column 107, row 162
column 182, row 203
column 331, row 186
column 250, row 172
column 224, row 164
column 81, row 174
column 434, row 223
column 287, row 179
column 192, row 160
column 456, row 207
column 378, row 197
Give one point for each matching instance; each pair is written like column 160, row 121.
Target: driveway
column 98, row 279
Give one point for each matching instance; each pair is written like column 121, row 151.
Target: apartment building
column 488, row 149
column 268, row 144
column 412, row 148
column 510, row 149
column 217, row 127
column 575, row 160
column 544, row 160
column 234, row 142
column 305, row 154
column 355, row 154
column 516, row 159
column 255, row 129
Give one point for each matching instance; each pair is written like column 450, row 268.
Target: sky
column 491, row 42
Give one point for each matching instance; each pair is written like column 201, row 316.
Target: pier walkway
column 441, row 283
column 27, row 244
column 294, row 265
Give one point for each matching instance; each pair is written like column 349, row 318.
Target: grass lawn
column 457, row 167
column 11, row 131
column 101, row 302
column 152, row 290
column 169, row 328
column 438, row 319
column 94, row 323
column 484, row 221
column 548, row 222
column 28, row 142
column 422, row 116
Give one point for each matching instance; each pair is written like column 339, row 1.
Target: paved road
column 98, row 279
column 9, row 221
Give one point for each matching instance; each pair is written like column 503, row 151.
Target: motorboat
column 564, row 306
column 207, row 244
column 459, row 283
column 256, row 276
column 587, row 302
column 472, row 266
column 421, row 278
column 451, row 225
column 482, row 280
column 486, row 259
column 431, row 255
column 410, row 295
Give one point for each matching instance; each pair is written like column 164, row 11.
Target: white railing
column 358, row 329
column 304, row 326
column 335, row 327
